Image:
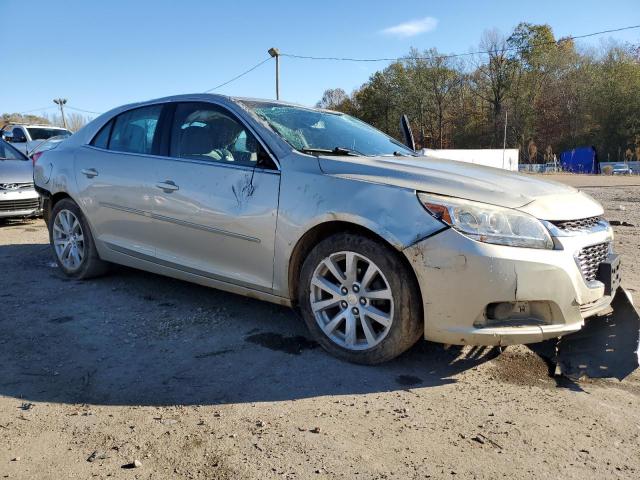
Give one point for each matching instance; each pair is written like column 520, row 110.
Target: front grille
column 15, row 205
column 577, row 225
column 590, row 258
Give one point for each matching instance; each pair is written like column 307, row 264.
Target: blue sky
column 103, row 54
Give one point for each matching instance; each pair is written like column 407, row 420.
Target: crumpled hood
column 544, row 199
column 16, row 171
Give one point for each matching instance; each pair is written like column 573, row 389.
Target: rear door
column 116, row 178
column 217, row 205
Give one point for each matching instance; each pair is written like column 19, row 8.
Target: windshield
column 7, row 152
column 46, row 133
column 311, row 130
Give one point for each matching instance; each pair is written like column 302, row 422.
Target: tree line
column 527, row 89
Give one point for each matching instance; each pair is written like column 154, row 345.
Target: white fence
column 497, row 158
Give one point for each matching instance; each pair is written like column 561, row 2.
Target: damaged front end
column 568, row 298
column 476, row 293
column 607, row 347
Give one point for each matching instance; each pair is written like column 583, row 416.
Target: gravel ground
column 189, row 382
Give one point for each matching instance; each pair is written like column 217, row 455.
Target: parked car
column 27, row 138
column 318, row 210
column 621, row 169
column 18, row 197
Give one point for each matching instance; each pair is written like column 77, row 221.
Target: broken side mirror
column 405, row 126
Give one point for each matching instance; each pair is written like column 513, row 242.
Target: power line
column 238, row 76
column 394, row 59
column 37, row 109
column 53, row 106
column 83, row 110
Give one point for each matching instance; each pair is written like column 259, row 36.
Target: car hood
column 16, row 171
column 544, row 199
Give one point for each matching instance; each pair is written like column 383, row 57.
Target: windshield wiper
column 335, row 151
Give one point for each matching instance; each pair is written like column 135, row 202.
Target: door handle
column 89, row 172
column 167, row 186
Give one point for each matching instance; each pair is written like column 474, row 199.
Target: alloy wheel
column 351, row 300
column 68, row 239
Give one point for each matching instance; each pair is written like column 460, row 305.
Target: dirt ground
column 196, row 383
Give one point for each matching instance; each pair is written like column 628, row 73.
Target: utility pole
column 61, row 102
column 274, row 52
column 504, row 138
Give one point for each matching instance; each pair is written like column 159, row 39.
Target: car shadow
column 136, row 338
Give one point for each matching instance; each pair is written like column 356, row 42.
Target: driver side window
column 203, row 131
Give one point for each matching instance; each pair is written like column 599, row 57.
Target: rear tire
column 72, row 243
column 359, row 299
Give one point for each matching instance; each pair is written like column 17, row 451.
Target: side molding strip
column 183, row 223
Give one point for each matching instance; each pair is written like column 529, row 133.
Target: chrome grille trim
column 573, row 228
column 589, row 259
column 578, row 225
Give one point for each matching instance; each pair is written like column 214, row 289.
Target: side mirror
column 405, row 127
column 8, row 136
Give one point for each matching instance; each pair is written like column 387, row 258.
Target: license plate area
column 609, row 273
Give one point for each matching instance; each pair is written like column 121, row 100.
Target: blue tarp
column 579, row 160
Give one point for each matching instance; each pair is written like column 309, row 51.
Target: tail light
column 35, row 157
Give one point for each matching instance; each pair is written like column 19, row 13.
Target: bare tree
column 332, row 98
column 75, row 121
column 492, row 79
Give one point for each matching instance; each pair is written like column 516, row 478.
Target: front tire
column 359, row 299
column 72, row 242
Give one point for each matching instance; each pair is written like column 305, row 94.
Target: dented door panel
column 220, row 222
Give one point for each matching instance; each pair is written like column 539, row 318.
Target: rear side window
column 101, row 140
column 134, row 131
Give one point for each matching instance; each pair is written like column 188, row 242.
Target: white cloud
column 412, row 27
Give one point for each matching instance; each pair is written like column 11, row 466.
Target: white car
column 18, row 198
column 621, row 169
column 27, row 138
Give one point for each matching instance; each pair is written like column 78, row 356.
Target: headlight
column 488, row 223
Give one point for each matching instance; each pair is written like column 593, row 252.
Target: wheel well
column 55, row 198
column 49, row 202
column 318, row 233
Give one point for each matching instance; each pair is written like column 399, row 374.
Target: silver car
column 18, row 198
column 375, row 246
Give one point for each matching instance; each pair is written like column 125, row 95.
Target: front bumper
column 461, row 278
column 20, row 203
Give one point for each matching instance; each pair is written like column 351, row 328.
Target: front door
column 216, row 205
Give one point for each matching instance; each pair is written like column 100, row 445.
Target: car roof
column 208, row 97
column 232, row 102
